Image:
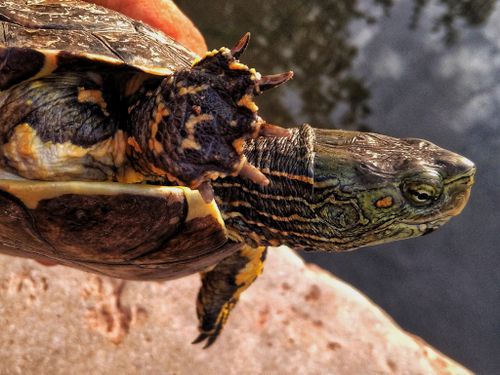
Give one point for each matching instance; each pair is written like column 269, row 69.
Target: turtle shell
column 142, row 232
column 121, row 230
column 39, row 37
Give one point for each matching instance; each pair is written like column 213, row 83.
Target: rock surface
column 296, row 319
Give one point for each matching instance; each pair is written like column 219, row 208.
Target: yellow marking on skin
column 155, row 146
column 119, row 148
column 235, row 236
column 252, row 269
column 225, row 51
column 263, row 195
column 160, row 112
column 190, row 142
column 32, row 192
column 194, row 120
column 247, row 101
column 238, row 145
column 327, row 183
column 236, row 65
column 255, row 75
column 305, row 179
column 49, row 65
column 92, row 96
column 191, row 90
column 197, row 207
column 385, row 202
column 156, row 170
column 289, row 218
column 198, row 59
column 132, row 142
column 211, row 53
column 163, row 173
column 284, row 233
column 36, row 85
column 330, row 199
column 129, row 175
column 35, row 159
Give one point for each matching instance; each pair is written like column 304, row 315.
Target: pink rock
column 296, row 319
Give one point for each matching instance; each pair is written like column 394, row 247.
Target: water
column 413, row 68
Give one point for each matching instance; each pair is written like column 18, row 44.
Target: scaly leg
column 221, row 289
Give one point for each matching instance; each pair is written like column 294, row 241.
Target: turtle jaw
column 458, row 186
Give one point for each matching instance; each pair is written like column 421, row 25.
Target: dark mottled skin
column 53, row 100
column 215, row 136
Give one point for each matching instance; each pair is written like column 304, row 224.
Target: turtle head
column 335, row 190
column 384, row 189
column 195, row 124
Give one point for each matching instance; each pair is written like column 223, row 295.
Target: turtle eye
column 420, row 193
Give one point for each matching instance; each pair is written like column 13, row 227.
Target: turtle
column 123, row 153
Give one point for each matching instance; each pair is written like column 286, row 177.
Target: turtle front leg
column 221, row 289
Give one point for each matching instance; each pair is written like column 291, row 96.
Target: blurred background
column 409, row 68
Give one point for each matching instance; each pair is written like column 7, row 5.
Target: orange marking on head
column 385, row 202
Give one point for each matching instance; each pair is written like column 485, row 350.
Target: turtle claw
column 271, row 81
column 270, row 130
column 209, row 337
column 253, row 174
column 241, row 46
column 201, row 337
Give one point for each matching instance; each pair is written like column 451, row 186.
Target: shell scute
column 122, row 230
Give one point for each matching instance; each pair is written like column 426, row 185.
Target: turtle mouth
column 466, row 178
column 458, row 190
column 429, row 227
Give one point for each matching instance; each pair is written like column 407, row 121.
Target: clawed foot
column 211, row 328
column 221, row 289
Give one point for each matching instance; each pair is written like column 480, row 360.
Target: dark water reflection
column 420, row 68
